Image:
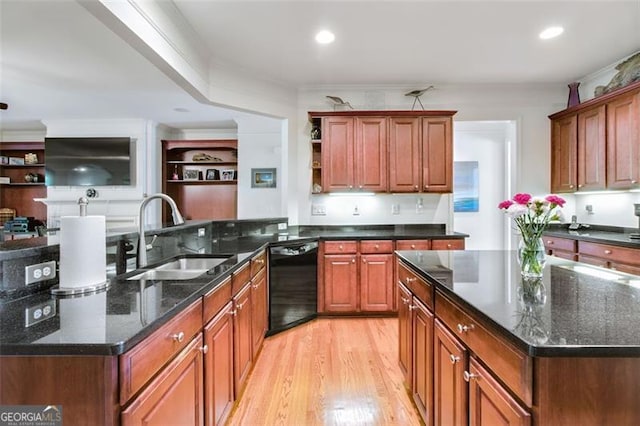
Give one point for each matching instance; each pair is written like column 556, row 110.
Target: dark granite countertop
column 587, row 311
column 597, row 234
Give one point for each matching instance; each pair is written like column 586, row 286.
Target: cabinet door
column 175, row 396
column 592, row 149
column 259, row 309
column 218, row 364
column 376, row 282
column 422, row 373
column 340, row 283
column 337, row 154
column 564, row 148
column 371, row 154
column 405, row 332
column 449, row 387
column 489, row 402
column 404, row 154
column 437, row 155
column 242, row 342
column 623, row 134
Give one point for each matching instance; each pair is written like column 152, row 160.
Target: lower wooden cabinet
column 422, row 371
column 340, row 283
column 259, row 311
column 175, row 396
column 489, row 403
column 376, row 282
column 242, row 341
column 218, row 364
column 405, row 332
column 449, row 388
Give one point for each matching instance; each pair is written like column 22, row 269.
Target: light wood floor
column 337, row 371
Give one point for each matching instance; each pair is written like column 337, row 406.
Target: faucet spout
column 142, row 244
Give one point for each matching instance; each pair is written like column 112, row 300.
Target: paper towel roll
column 83, row 252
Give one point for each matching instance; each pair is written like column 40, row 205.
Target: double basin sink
column 183, row 268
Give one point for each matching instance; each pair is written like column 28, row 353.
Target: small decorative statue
column 628, row 72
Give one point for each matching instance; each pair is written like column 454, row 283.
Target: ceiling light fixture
column 551, row 32
column 180, row 109
column 325, row 37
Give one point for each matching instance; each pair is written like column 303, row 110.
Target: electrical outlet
column 39, row 312
column 318, row 210
column 282, row 226
column 201, row 232
column 589, row 208
column 395, row 208
column 39, row 272
column 356, row 212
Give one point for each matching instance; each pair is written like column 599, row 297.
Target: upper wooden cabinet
column 596, row 145
column 382, row 151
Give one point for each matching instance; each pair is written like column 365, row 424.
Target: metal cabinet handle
column 377, row 246
column 468, row 376
column 360, row 187
column 404, row 301
column 353, row 260
column 260, row 261
column 465, row 328
column 607, row 252
column 448, row 245
column 340, row 247
column 233, row 313
column 255, row 286
column 411, row 279
column 634, row 181
column 549, row 242
column 239, row 306
column 364, row 260
column 570, row 186
column 204, row 349
column 412, row 307
column 178, row 337
column 413, row 246
column 454, row 358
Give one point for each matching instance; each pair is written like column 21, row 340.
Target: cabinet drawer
column 447, row 244
column 413, row 245
column 512, row 366
column 610, row 252
column 376, row 246
column 240, row 278
column 419, row 287
column 142, row 362
column 215, row 300
column 257, row 263
column 340, row 247
column 556, row 243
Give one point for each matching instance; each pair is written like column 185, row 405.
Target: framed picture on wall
column 263, row 178
column 191, row 174
column 466, row 194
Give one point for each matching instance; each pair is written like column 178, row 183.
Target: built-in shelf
column 21, row 165
column 203, row 182
column 204, row 163
column 23, row 184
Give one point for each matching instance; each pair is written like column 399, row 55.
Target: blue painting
column 465, row 187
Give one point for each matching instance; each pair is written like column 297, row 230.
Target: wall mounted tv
column 89, row 161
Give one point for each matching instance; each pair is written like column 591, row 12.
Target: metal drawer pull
column 549, row 242
column 204, row 349
column 377, row 246
column 412, row 307
column 454, row 358
column 233, row 313
column 411, row 279
column 607, row 252
column 464, row 328
column 468, row 376
column 404, row 301
column 239, row 306
column 260, row 261
column 179, row 337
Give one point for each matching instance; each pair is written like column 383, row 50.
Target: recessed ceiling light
column 551, row 32
column 180, row 109
column 325, row 37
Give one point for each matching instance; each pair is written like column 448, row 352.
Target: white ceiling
column 59, row 62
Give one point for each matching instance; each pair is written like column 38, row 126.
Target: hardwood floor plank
column 330, row 371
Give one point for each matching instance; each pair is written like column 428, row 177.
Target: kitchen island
column 476, row 347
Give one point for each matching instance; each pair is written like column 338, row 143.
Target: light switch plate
column 318, row 210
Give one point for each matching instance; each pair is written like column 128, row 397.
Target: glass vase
column 531, row 257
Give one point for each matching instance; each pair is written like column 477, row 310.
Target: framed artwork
column 465, row 187
column 227, row 174
column 191, row 174
column 263, row 178
column 212, row 174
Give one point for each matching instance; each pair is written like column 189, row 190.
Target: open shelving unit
column 202, row 189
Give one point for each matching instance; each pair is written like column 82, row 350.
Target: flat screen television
column 89, row 161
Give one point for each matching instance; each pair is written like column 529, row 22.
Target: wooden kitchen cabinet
column 489, row 403
column 175, row 396
column 437, row 154
column 218, row 364
column 422, row 374
column 259, row 311
column 449, row 387
column 405, row 333
column 564, row 248
column 624, row 259
column 242, row 341
column 564, row 154
column 623, row 141
column 592, row 149
column 404, row 154
column 357, row 277
column 383, row 151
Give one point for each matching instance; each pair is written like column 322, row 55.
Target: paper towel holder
column 80, row 291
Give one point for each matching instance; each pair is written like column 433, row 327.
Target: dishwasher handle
column 294, row 249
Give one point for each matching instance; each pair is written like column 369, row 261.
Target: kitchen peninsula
column 494, row 354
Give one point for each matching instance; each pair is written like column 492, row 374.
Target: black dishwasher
column 293, row 294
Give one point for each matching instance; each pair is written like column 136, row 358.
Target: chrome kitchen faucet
column 142, row 244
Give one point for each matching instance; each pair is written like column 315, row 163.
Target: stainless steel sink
column 196, row 263
column 184, row 268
